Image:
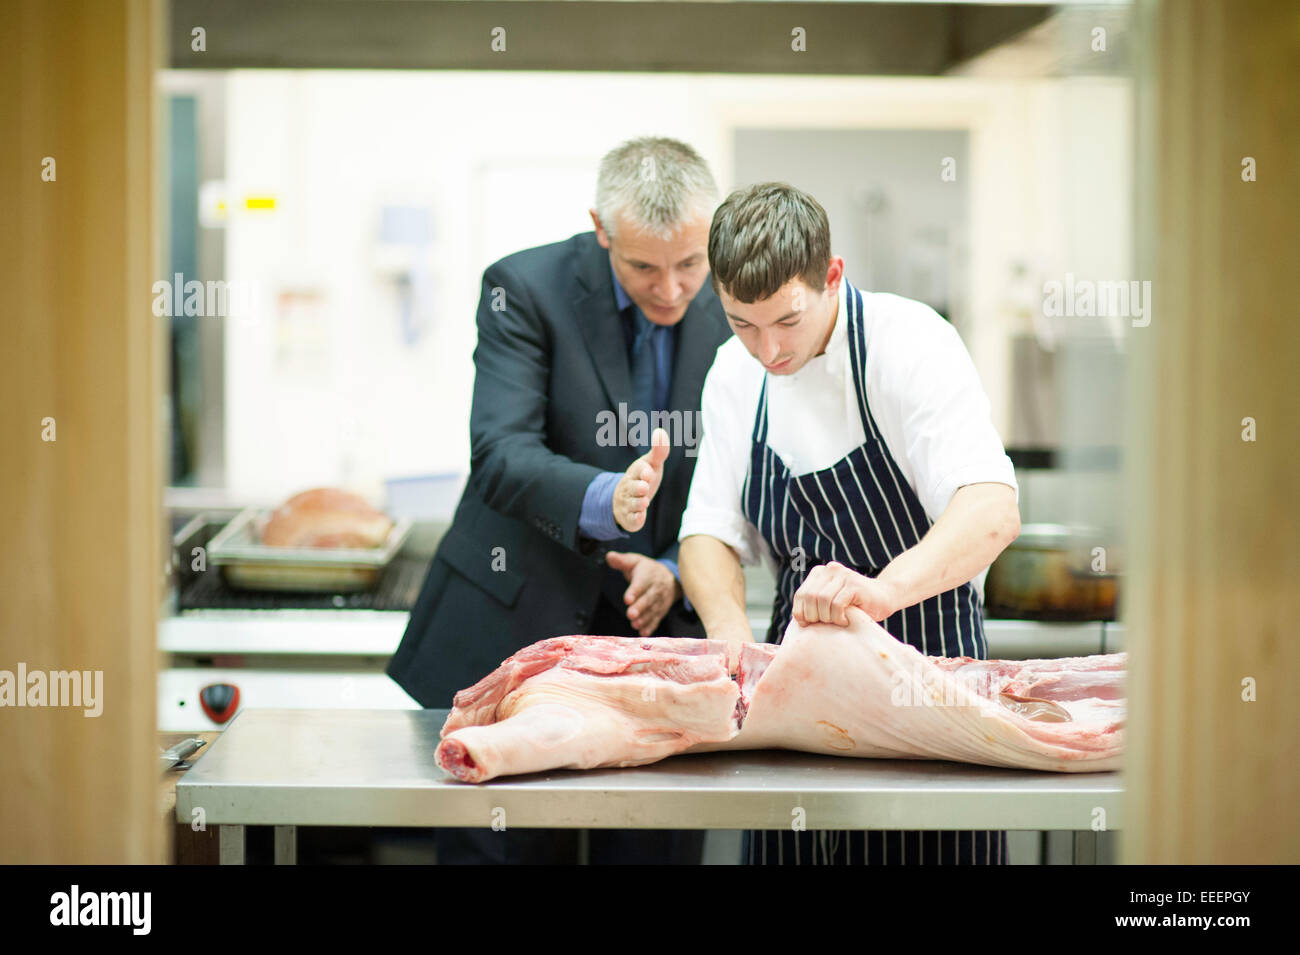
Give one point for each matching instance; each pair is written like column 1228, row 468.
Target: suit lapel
column 597, row 317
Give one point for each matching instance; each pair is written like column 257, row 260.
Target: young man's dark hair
column 763, row 236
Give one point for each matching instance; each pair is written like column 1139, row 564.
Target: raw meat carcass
column 591, row 701
column 584, row 702
column 326, row 517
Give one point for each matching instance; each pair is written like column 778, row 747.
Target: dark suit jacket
column 550, row 358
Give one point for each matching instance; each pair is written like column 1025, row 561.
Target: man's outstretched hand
column 651, row 589
column 634, row 491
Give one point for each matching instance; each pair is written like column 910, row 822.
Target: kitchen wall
column 353, row 364
column 896, row 220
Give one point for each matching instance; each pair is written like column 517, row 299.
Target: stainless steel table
column 289, row 768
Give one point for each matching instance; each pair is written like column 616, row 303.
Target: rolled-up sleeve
column 713, row 507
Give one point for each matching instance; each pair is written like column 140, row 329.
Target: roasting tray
column 245, row 562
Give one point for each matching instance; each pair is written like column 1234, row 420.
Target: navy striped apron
column 862, row 513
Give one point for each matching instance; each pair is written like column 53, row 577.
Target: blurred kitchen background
column 351, row 213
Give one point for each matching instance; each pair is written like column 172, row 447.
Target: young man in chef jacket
column 847, row 441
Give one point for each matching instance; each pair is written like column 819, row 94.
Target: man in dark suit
column 583, row 345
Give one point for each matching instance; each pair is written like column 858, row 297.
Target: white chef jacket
column 921, row 387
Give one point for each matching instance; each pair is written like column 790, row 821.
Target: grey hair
column 657, row 184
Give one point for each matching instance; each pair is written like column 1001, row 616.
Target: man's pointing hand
column 634, row 491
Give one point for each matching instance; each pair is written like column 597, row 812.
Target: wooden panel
column 1213, row 596
column 82, row 559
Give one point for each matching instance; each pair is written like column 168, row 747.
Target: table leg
column 230, row 844
column 1085, row 847
column 286, row 845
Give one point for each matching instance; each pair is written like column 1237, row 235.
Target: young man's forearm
column 714, row 583
column 978, row 524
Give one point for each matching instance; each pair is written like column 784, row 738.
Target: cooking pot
column 1054, row 572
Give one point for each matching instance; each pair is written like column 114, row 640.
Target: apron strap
column 759, row 435
column 858, row 358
